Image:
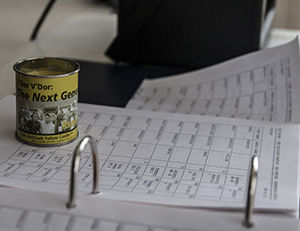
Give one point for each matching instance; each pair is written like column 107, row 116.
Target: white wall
column 288, row 14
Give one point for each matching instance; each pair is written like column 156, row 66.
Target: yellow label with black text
column 47, row 139
column 46, row 89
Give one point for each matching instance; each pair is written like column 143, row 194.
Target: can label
column 46, row 109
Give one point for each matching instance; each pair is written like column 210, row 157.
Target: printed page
column 163, row 158
column 33, row 211
column 263, row 86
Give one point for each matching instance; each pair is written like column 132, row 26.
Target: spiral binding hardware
column 251, row 193
column 75, row 167
column 247, row 222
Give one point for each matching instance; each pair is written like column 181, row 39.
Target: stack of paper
column 263, row 86
column 162, row 158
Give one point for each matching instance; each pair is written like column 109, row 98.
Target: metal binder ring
column 75, row 167
column 251, row 192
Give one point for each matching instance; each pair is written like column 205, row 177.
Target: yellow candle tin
column 46, row 101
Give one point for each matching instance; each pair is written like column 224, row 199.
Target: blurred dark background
column 190, row 33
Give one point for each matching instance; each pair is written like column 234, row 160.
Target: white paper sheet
column 263, row 86
column 162, row 158
column 33, row 211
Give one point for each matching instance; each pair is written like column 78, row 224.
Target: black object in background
column 193, row 33
column 41, row 20
column 49, row 6
column 114, row 85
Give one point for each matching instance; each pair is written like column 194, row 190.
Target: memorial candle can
column 46, row 101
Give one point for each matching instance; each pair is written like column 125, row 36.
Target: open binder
column 148, row 157
column 35, row 211
column 153, row 157
column 90, row 140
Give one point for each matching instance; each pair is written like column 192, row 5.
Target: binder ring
column 75, row 167
column 251, row 192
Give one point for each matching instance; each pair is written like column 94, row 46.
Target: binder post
column 251, row 192
column 75, row 167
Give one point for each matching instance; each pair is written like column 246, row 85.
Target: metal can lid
column 59, row 67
